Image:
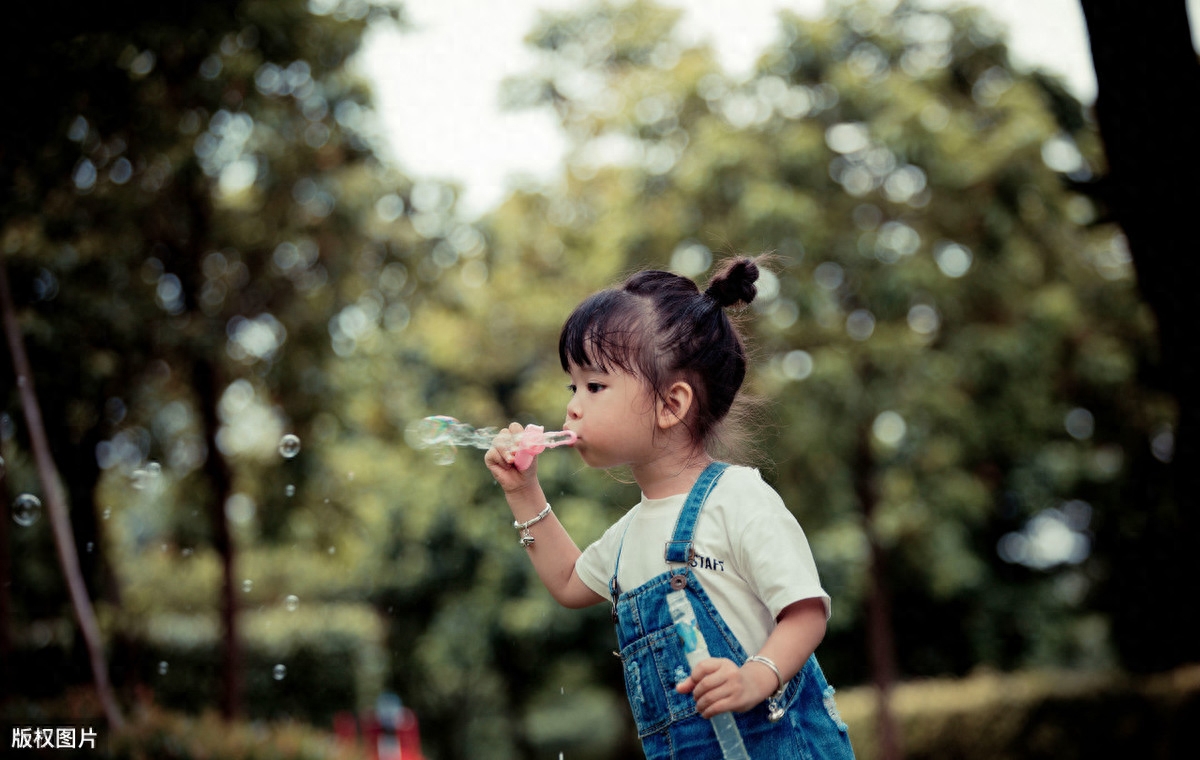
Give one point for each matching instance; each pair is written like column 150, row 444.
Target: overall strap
column 679, row 548
column 614, row 590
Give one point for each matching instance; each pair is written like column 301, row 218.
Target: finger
column 495, row 458
column 502, row 444
column 709, row 706
column 686, row 685
column 705, row 688
column 711, row 665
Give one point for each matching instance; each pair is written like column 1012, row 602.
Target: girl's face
column 613, row 415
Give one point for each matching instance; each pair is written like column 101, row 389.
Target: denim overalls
column 654, row 661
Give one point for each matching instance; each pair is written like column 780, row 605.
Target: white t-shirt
column 751, row 555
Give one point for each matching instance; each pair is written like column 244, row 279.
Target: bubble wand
column 443, row 434
column 695, row 649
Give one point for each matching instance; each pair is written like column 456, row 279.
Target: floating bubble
column 290, row 490
column 1, row 467
column 247, row 585
column 279, row 672
column 289, row 446
column 291, row 602
column 162, row 668
column 26, row 509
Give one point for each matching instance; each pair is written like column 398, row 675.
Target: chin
column 587, row 458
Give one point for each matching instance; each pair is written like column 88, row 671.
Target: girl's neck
column 670, row 475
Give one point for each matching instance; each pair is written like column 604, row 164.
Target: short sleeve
column 769, row 546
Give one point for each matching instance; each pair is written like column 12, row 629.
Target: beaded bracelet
column 526, row 537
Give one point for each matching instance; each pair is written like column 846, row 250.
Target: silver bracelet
column 774, row 710
column 526, row 537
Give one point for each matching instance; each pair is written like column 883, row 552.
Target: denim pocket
column 653, row 665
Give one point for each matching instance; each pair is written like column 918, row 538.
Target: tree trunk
column 56, row 507
column 1147, row 107
column 880, row 641
column 207, row 384
column 5, row 605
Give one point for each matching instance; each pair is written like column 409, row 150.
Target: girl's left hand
column 718, row 685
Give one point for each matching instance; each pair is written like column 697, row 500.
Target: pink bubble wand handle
column 445, row 433
column 534, row 441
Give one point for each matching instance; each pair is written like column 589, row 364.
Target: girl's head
column 660, row 328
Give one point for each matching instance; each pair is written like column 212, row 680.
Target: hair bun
column 734, row 283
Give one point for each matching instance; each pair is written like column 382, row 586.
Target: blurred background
column 227, row 295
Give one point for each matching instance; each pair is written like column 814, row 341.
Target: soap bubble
column 1, row 467
column 289, row 446
column 247, row 585
column 444, row 454
column 26, row 509
column 290, row 490
column 162, row 668
column 279, row 673
column 291, row 602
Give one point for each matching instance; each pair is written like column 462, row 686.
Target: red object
column 391, row 732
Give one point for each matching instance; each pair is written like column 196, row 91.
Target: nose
column 574, row 410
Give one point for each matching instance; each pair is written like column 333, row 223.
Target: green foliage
column 285, row 661
column 1037, row 714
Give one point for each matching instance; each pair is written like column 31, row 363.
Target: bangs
column 605, row 332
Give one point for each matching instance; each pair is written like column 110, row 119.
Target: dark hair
column 660, row 327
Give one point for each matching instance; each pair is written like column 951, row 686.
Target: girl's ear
column 674, row 406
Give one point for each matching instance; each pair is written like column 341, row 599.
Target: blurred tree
column 1147, row 107
column 168, row 204
column 56, row 509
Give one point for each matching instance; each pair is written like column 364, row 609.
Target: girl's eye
column 571, row 388
column 594, row 387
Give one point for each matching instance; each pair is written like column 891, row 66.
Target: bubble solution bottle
column 696, row 650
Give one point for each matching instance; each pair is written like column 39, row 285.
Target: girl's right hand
column 499, row 459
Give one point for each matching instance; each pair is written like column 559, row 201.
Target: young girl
column 655, row 366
